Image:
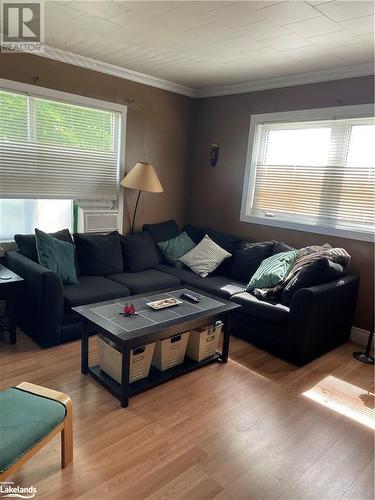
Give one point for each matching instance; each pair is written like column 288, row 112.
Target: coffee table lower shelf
column 155, row 377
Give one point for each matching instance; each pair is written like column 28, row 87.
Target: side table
column 8, row 283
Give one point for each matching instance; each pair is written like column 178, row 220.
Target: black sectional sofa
column 317, row 320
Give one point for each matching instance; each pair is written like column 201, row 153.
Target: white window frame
column 337, row 112
column 67, row 98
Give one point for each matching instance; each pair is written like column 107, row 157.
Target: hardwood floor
column 244, row 430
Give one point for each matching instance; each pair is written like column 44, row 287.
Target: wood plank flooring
column 244, row 430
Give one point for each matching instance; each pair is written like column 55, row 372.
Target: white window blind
column 315, row 172
column 57, row 150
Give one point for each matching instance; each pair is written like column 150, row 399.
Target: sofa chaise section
column 318, row 320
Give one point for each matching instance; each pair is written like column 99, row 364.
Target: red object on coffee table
column 129, row 310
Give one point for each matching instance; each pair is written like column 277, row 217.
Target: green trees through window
column 32, row 119
column 75, row 126
column 13, row 117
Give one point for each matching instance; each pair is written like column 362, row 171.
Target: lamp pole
column 135, row 212
column 366, row 357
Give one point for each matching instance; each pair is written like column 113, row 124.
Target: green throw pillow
column 272, row 270
column 57, row 256
column 175, row 248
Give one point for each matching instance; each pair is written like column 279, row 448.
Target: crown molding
column 111, row 69
column 343, row 72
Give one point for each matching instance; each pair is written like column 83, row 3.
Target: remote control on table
column 191, row 297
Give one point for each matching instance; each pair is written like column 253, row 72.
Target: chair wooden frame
column 65, row 428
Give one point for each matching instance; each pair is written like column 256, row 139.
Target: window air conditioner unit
column 100, row 220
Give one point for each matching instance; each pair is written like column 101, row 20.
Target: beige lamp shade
column 143, row 177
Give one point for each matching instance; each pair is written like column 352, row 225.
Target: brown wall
column 158, row 124
column 215, row 193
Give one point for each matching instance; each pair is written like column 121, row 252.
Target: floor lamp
column 366, row 357
column 142, row 177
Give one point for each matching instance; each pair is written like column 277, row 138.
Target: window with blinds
column 314, row 173
column 51, row 149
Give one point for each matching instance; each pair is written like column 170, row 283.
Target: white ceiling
column 209, row 43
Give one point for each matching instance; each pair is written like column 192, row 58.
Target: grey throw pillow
column 205, row 257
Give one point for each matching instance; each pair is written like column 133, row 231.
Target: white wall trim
column 360, row 336
column 352, row 71
column 111, row 69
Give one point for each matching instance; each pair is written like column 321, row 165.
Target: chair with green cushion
column 30, row 416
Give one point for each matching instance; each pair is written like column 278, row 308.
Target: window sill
column 352, row 234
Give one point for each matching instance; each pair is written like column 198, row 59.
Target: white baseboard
column 359, row 335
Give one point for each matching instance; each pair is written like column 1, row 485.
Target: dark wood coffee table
column 149, row 326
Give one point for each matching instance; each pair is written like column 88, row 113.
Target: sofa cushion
column 226, row 241
column 217, row 285
column 319, row 272
column 196, row 233
column 146, row 281
column 92, row 289
column 99, row 254
column 248, row 257
column 162, row 231
column 27, row 243
column 280, row 246
column 183, row 274
column 139, row 252
column 57, row 256
column 269, row 311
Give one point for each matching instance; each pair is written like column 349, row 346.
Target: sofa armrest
column 321, row 318
column 39, row 302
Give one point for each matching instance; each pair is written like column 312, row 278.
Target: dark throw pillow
column 319, row 272
column 139, row 252
column 280, row 246
column 175, row 248
column 99, row 254
column 248, row 258
column 27, row 242
column 162, row 231
column 226, row 241
column 57, row 256
column 196, row 233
